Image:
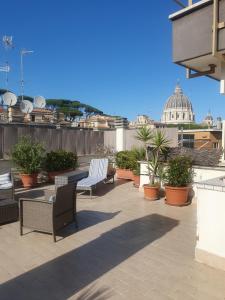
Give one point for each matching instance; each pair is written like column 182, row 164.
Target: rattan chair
column 49, row 216
column 7, row 188
column 9, row 210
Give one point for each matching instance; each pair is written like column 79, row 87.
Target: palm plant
column 159, row 146
column 144, row 134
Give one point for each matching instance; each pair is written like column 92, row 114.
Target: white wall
column 210, row 246
column 211, row 221
column 200, row 173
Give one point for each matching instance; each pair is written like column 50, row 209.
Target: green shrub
column 179, row 171
column 138, row 153
column 125, row 160
column 60, row 160
column 137, row 170
column 28, row 156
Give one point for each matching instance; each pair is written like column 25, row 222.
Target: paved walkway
column 126, row 248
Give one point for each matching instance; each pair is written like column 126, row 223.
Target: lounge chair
column 97, row 174
column 52, row 213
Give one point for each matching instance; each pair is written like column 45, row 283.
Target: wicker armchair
column 7, row 190
column 9, row 211
column 46, row 216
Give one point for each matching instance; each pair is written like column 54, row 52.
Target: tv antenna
column 8, row 45
column 22, row 53
column 26, row 107
column 39, row 102
column 9, row 99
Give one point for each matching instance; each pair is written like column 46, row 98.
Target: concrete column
column 223, row 139
column 120, row 139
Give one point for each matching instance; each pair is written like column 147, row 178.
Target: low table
column 9, row 210
column 70, row 177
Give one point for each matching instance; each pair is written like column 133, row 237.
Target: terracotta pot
column 151, row 192
column 124, row 174
column 136, row 179
column 177, row 196
column 51, row 175
column 29, row 181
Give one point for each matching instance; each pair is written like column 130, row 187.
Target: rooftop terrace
column 125, row 248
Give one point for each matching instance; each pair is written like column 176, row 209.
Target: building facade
column 201, row 138
column 143, row 120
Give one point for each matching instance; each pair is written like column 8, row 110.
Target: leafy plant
column 106, row 151
column 60, row 160
column 138, row 153
column 137, row 171
column 179, row 171
column 159, row 146
column 144, row 134
column 125, row 160
column 28, row 155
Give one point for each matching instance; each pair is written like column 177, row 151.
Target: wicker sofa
column 51, row 214
column 8, row 206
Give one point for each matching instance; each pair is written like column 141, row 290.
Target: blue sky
column 115, row 55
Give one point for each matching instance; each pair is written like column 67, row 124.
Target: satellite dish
column 9, row 99
column 39, row 102
column 26, row 106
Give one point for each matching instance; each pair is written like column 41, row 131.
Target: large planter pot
column 29, row 181
column 151, row 192
column 51, row 175
column 124, row 174
column 136, row 179
column 177, row 196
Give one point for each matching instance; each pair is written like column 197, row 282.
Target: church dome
column 178, row 100
column 178, row 108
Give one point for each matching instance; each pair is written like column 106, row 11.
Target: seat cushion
column 6, row 186
column 4, row 178
column 89, row 181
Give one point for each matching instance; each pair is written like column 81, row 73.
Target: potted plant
column 155, row 165
column 138, row 155
column 58, row 162
column 109, row 153
column 136, row 177
column 179, row 176
column 28, row 156
column 144, row 134
column 125, row 163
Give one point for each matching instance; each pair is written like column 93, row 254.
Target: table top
column 73, row 173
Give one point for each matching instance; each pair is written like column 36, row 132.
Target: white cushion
column 4, row 178
column 5, row 186
column 52, row 199
column 89, row 181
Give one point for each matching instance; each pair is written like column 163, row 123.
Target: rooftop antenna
column 179, row 3
column 22, row 53
column 8, row 45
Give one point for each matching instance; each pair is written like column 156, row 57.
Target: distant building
column 208, row 120
column 178, row 109
column 200, row 138
column 143, row 120
column 41, row 115
column 97, row 122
